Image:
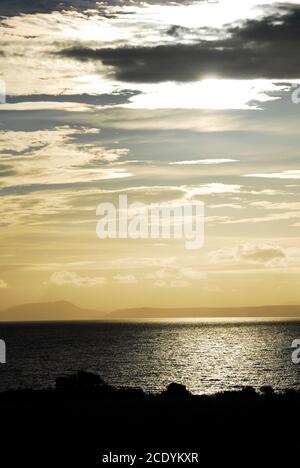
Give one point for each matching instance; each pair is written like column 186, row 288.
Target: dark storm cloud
column 18, row 7
column 156, row 2
column 263, row 48
column 122, row 97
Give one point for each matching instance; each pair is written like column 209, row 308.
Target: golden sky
column 165, row 102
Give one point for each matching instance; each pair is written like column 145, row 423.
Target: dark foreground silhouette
column 82, row 410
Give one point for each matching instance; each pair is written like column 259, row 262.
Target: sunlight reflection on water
column 206, row 356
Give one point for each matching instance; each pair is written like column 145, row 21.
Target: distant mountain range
column 64, row 310
column 259, row 311
column 40, row 311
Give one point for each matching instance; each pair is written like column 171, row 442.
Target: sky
column 167, row 103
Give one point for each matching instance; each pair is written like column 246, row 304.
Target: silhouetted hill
column 288, row 311
column 64, row 310
column 56, row 310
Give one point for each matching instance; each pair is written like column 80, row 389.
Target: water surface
column 206, row 356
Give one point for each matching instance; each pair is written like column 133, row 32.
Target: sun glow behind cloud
column 211, row 93
column 125, row 28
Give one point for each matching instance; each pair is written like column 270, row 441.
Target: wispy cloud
column 125, row 279
column 267, row 205
column 267, row 218
column 255, row 253
column 66, row 277
column 54, row 156
column 202, row 161
column 290, row 174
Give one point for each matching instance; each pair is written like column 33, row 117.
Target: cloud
column 152, row 2
column 47, row 105
column 211, row 188
column 33, row 209
column 290, row 174
column 56, row 156
column 288, row 206
column 267, row 218
column 104, row 7
column 164, row 273
column 255, row 253
column 172, row 284
column 175, row 277
column 265, row 253
column 234, row 206
column 269, row 192
column 121, row 97
column 244, row 54
column 3, row 285
column 202, row 161
column 193, row 273
column 54, row 266
column 176, row 119
column 125, row 279
column 19, row 7
column 66, row 277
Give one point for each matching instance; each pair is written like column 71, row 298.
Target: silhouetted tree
column 266, row 390
column 175, row 389
column 82, row 380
